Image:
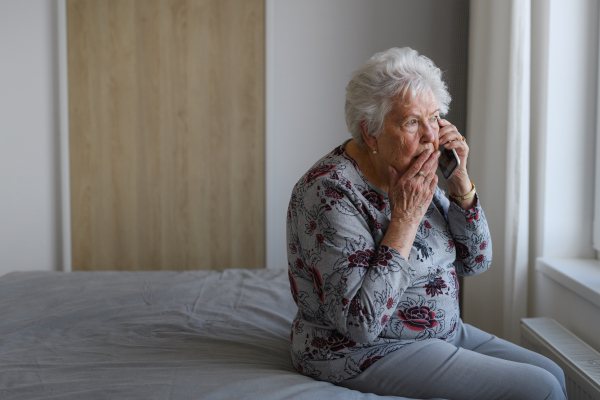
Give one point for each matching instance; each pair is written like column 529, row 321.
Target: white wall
column 313, row 47
column 29, row 137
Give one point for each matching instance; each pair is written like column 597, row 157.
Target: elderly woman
column 375, row 247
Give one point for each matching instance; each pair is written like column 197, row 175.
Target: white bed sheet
column 151, row 335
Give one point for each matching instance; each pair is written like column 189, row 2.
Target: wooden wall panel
column 166, row 114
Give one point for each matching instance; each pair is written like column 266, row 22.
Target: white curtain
column 517, row 171
column 498, row 136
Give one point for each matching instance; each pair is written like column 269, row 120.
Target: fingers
column 433, row 185
column 411, row 193
column 418, row 164
column 461, row 148
column 456, row 144
column 430, row 167
column 431, row 164
column 448, row 132
column 393, row 176
column 450, row 139
column 443, row 123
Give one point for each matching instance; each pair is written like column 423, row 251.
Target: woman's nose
column 429, row 134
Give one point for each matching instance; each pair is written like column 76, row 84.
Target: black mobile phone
column 448, row 162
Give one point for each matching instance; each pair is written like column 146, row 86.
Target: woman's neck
column 364, row 160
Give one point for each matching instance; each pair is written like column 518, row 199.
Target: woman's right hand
column 411, row 193
column 409, row 196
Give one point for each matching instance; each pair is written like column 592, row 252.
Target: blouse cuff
column 471, row 210
column 460, row 219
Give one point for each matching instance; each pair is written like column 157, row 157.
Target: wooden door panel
column 166, row 114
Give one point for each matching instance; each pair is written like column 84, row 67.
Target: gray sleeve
column 471, row 236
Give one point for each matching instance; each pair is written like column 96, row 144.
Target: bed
column 151, row 335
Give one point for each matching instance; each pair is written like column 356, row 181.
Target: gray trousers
column 474, row 365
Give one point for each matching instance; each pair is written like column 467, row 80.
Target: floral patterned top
column 358, row 301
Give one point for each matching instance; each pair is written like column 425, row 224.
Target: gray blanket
column 151, row 335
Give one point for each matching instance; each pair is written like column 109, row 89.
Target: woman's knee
column 549, row 366
column 541, row 384
column 505, row 350
column 555, row 370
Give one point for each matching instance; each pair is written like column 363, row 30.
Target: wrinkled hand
column 410, row 194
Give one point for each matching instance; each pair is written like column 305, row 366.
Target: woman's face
column 409, row 130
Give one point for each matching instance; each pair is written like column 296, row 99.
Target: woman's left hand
column 450, row 138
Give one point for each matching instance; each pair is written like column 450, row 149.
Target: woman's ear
column 370, row 141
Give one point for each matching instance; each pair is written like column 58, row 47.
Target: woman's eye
column 411, row 122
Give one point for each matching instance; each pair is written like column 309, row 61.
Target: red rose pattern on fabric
column 390, row 303
column 384, row 319
column 373, row 223
column 318, row 172
column 318, row 282
column 360, row 259
column 383, row 256
column 293, row 287
column 375, row 199
column 330, row 192
column 355, row 307
column 435, row 287
column 471, row 215
column 320, row 238
column 418, row 318
column 338, row 151
column 462, row 251
column 337, row 341
column 318, row 342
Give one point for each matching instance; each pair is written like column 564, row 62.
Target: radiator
column 579, row 361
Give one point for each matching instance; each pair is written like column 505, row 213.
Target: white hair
column 374, row 86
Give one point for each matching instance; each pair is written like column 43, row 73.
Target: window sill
column 578, row 275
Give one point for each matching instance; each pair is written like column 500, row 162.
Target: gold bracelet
column 466, row 196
